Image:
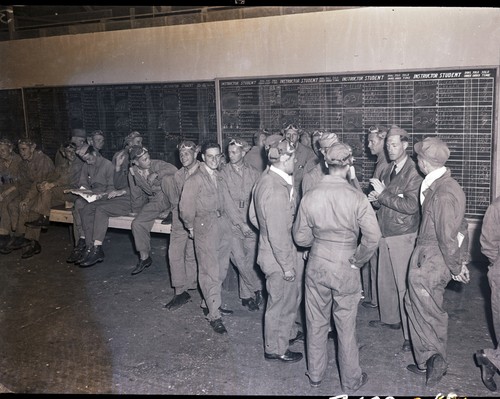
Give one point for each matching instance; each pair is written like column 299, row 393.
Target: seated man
column 147, row 199
column 36, row 167
column 96, row 139
column 97, row 176
column 10, row 163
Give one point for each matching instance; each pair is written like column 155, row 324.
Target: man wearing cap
column 489, row 359
column 395, row 195
column 272, row 211
column 146, row 199
column 79, row 138
column 238, row 179
column 330, row 218
column 376, row 145
column 441, row 254
column 97, row 176
column 202, row 211
column 96, row 139
column 35, row 168
column 10, row 163
column 181, row 256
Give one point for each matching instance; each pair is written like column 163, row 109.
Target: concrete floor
column 100, row 330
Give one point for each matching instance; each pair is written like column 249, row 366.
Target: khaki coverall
column 436, row 256
column 9, row 177
column 237, row 188
column 329, row 220
column 181, row 256
column 272, row 212
column 201, row 208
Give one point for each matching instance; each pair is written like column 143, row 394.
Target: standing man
column 238, row 179
column 440, row 255
column 376, row 145
column 147, row 199
column 489, row 359
column 256, row 156
column 272, row 211
column 202, row 211
column 396, row 195
column 330, row 218
column 10, row 163
column 181, row 256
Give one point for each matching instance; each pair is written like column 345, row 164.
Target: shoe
column 362, row 381
column 142, row 265
column 77, row 251
column 436, row 369
column 225, row 312
column 83, row 255
column 488, row 370
column 406, row 346
column 178, row 300
column 218, row 326
column 17, row 242
column 250, row 304
column 369, row 305
column 378, row 323
column 4, row 239
column 314, row 384
column 33, row 248
column 416, row 370
column 331, row 335
column 42, row 221
column 168, row 219
column 288, row 357
column 259, row 299
column 298, row 338
column 95, row 255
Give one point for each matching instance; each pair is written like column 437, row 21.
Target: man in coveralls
column 146, row 198
column 440, row 254
column 238, row 179
column 181, row 256
column 489, row 359
column 272, row 211
column 329, row 220
column 202, row 211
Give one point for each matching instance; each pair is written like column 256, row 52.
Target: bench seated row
column 62, row 214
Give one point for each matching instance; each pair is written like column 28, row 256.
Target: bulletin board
column 457, row 105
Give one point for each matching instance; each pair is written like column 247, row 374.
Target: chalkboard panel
column 11, row 114
column 456, row 105
column 164, row 113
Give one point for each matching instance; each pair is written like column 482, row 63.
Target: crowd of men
column 291, row 216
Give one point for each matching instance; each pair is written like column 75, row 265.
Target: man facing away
column 330, row 218
column 440, row 254
column 272, row 211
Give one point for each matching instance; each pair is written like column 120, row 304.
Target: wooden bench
column 64, row 215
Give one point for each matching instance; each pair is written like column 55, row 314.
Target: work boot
column 33, row 248
column 15, row 242
column 84, row 254
column 178, row 300
column 42, row 221
column 218, row 326
column 250, row 304
column 95, row 255
column 77, row 251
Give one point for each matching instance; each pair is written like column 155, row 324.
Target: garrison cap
column 433, row 149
